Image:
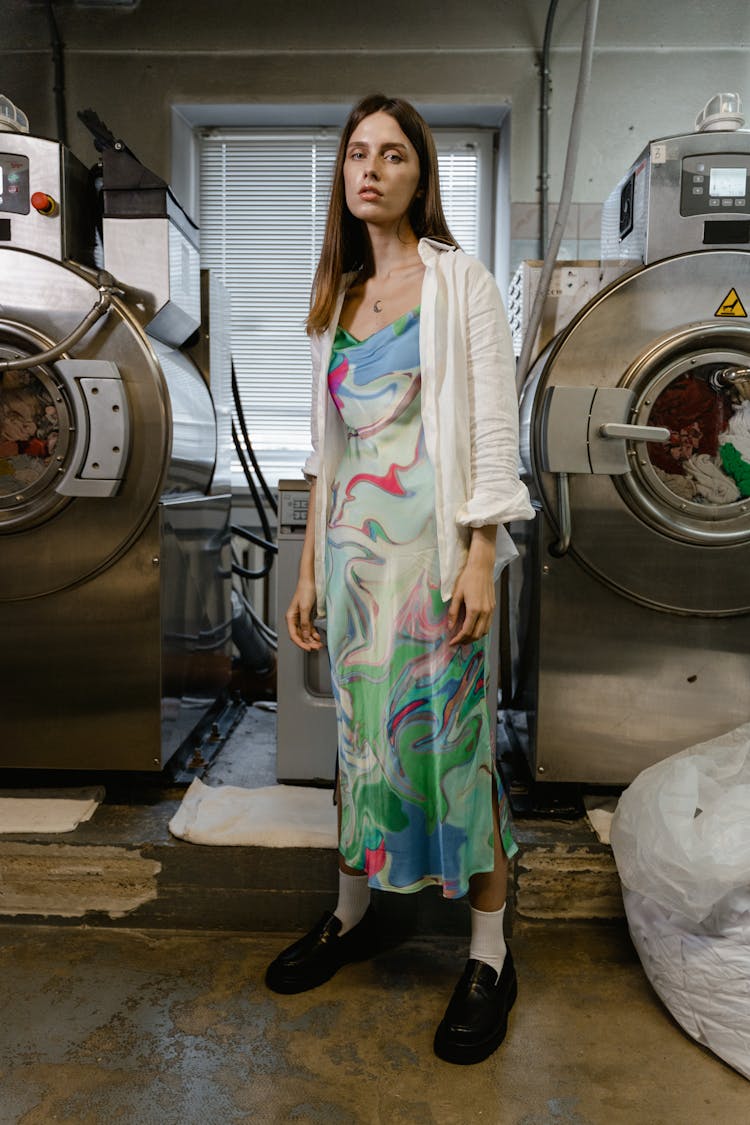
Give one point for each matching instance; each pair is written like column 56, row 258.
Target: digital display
column 727, row 182
column 14, row 183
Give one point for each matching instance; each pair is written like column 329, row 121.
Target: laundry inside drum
column 707, row 458
column 29, row 436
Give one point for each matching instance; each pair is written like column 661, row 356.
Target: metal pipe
column 571, row 157
column 106, row 290
column 565, row 527
column 544, row 108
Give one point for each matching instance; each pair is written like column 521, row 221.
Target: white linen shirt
column 469, row 413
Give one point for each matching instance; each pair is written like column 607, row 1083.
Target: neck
column 392, row 249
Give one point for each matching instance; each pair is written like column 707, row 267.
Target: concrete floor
column 160, row 1028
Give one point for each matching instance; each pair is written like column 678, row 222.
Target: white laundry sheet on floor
column 600, row 811
column 47, row 810
column 277, row 816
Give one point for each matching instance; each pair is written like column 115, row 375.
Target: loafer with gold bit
column 319, row 954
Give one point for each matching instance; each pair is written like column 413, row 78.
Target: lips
column 369, row 193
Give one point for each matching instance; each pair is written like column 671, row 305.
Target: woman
column 414, row 467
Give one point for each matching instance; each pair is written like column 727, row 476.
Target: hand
column 300, row 615
column 473, row 601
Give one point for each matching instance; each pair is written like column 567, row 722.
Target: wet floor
column 157, row 1028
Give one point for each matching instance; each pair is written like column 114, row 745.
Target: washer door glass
column 34, row 434
column 696, row 485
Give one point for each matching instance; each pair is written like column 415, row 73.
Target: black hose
column 266, row 630
column 249, row 446
column 245, row 573
column 251, row 483
column 58, row 62
column 244, row 533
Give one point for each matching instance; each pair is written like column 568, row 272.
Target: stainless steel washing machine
column 630, row 626
column 114, row 494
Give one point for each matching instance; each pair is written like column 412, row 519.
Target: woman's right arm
column 302, row 609
column 301, row 613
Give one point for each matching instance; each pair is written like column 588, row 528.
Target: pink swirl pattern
column 416, row 764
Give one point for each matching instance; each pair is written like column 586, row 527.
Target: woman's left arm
column 473, row 601
column 497, row 493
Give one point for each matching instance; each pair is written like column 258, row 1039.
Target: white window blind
column 263, row 202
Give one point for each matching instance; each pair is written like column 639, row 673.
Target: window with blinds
column 263, row 201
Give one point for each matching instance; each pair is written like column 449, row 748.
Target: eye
column 356, row 154
column 394, row 157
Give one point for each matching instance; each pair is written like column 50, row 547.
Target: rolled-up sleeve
column 312, row 464
column 497, row 493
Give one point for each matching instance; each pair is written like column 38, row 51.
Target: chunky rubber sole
column 466, row 1054
column 289, row 985
column 302, row 976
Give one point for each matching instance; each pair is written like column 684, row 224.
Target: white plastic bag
column 702, row 978
column 681, row 833
column 681, row 840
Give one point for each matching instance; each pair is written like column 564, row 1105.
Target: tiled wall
column 580, row 240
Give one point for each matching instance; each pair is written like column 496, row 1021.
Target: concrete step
column 124, row 868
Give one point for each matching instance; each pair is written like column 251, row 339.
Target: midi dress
column 416, row 763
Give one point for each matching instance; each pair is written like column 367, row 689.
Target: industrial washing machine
column 629, row 622
column 114, row 467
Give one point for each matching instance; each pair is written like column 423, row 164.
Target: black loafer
column 318, row 955
column 476, row 1018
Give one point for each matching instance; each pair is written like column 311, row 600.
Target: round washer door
column 673, row 533
column 84, row 441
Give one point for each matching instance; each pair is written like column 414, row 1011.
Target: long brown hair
column 346, row 245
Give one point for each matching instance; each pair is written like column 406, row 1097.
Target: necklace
column 378, row 306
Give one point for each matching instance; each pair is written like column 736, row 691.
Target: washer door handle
column 633, row 433
column 102, row 427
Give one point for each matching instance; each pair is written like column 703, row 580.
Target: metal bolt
column 647, row 402
column 641, row 461
column 540, row 769
column 545, row 569
column 155, row 560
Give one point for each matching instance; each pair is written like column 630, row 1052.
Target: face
column 381, row 171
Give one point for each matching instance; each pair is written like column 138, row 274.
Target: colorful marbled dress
column 415, row 760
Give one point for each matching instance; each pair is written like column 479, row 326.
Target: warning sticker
column 731, row 305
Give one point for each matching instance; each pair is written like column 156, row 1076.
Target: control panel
column 715, row 185
column 14, row 183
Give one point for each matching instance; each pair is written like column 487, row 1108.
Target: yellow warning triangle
column 731, row 305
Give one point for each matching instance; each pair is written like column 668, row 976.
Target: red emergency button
column 44, row 203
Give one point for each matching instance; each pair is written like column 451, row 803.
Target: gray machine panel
column 620, row 686
column 670, row 199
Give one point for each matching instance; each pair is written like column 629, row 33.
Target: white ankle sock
column 487, row 940
column 354, row 898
